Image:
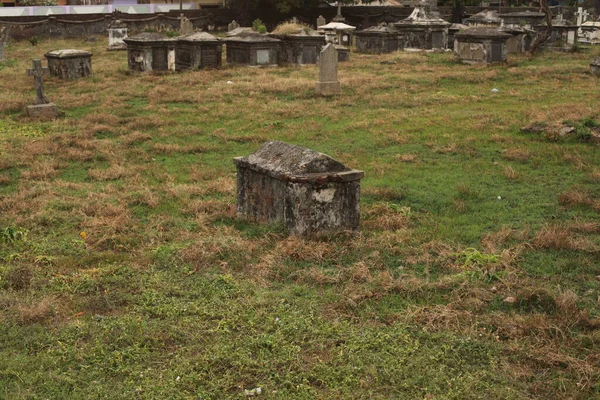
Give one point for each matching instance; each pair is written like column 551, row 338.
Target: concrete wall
column 80, row 26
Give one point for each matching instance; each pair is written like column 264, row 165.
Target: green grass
column 124, row 272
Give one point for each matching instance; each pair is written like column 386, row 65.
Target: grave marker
column 42, row 107
column 328, row 83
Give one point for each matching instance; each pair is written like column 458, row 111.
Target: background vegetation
column 475, row 274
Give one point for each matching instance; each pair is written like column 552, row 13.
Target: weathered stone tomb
column 300, row 48
column 377, row 39
column 481, row 45
column 197, row 50
column 306, row 191
column 252, row 49
column 423, row 29
column 117, row 31
column 69, row 64
column 150, row 52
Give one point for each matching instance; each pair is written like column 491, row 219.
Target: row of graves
column 485, row 37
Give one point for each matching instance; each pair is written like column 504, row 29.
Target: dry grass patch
column 111, row 173
column 575, row 197
column 386, row 217
column 135, row 138
column 4, row 179
column 510, row 173
column 516, row 154
column 42, row 170
column 170, row 149
column 561, row 237
column 407, row 158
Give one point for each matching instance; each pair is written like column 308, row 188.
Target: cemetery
column 228, row 213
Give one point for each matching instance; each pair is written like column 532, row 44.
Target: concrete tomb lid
column 457, row 27
column 253, row 37
column 486, row 16
column 526, row 14
column 197, row 37
column 482, row 33
column 147, row 37
column 240, row 30
column 379, row 29
column 287, row 162
column 68, row 53
column 337, row 26
column 423, row 14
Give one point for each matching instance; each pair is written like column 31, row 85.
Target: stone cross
column 38, row 72
column 339, row 17
column 321, row 21
column 185, row 25
column 328, row 83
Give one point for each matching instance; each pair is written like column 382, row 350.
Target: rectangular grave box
column 481, row 45
column 377, row 40
column 308, row 192
column 301, row 48
column 149, row 52
column 69, row 64
column 117, row 31
column 198, row 50
column 252, row 49
column 423, row 29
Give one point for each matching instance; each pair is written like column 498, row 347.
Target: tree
column 543, row 36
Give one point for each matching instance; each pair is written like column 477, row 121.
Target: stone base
column 328, row 88
column 42, row 111
column 117, row 48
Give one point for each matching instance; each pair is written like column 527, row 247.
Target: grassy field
column 124, row 273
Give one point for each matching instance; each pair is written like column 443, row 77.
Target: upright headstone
column 2, row 58
column 186, row 26
column 232, row 25
column 117, row 31
column 42, row 107
column 328, row 83
column 321, row 21
column 294, row 20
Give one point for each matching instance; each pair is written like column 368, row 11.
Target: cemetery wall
column 84, row 25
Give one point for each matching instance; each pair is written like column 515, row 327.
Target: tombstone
column 522, row 19
column 307, row 192
column 321, row 21
column 232, row 25
column 43, row 108
column 485, row 19
column 595, row 66
column 197, row 50
column 299, row 48
column 2, row 58
column 185, row 25
column 328, row 83
column 149, row 52
column 69, row 64
column 424, row 28
column 117, row 31
column 295, row 20
column 481, row 45
column 338, row 33
column 563, row 35
column 377, row 39
column 343, row 53
column 251, row 48
column 582, row 17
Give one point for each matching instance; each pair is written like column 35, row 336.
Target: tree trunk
column 544, row 35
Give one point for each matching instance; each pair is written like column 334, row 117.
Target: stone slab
column 42, row 111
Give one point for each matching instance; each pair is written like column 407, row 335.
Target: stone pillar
column 328, row 83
